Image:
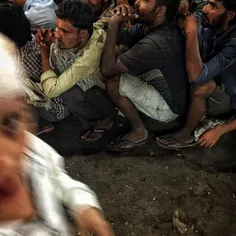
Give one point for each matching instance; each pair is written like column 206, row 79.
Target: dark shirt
column 218, row 53
column 164, row 49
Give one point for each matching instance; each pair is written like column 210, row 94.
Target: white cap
column 10, row 71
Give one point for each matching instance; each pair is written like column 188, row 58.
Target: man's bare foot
column 98, row 131
column 129, row 141
column 176, row 140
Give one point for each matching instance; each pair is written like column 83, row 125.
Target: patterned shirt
column 30, row 59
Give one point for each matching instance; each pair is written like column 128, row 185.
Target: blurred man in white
column 34, row 186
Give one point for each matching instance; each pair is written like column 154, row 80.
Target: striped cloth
column 29, row 58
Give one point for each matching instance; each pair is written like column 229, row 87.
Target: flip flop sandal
column 133, row 145
column 192, row 143
column 96, row 130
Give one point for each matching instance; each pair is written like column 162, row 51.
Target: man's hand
column 209, row 138
column 45, row 37
column 190, row 24
column 93, row 221
column 184, row 8
column 123, row 13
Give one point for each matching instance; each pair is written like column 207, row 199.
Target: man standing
column 150, row 77
column 210, row 62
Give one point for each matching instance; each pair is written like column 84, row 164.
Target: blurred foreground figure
column 34, row 188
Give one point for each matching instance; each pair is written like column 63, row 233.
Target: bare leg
column 138, row 132
column 195, row 114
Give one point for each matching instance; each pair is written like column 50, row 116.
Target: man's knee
column 204, row 90
column 72, row 95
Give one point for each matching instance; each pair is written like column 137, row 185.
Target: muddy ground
column 154, row 192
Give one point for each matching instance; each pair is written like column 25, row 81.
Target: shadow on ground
column 141, row 190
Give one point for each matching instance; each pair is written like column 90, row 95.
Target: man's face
column 12, row 143
column 67, row 35
column 214, row 14
column 147, row 10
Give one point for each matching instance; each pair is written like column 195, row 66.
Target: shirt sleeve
column 143, row 57
column 218, row 63
column 84, row 66
column 75, row 195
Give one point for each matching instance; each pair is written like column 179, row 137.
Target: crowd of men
column 167, row 60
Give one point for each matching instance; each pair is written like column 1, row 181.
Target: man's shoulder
column 225, row 37
column 37, row 145
column 41, row 152
column 166, row 35
column 166, row 31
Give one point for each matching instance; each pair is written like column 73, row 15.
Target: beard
column 146, row 17
column 217, row 23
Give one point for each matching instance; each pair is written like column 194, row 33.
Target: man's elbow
column 49, row 94
column 193, row 73
column 192, row 78
column 106, row 72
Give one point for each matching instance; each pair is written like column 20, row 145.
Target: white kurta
column 52, row 188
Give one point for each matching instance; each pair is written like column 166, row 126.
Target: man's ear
column 161, row 11
column 230, row 15
column 84, row 35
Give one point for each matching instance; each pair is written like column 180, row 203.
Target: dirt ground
column 141, row 195
column 154, row 192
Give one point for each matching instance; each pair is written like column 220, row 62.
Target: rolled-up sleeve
column 219, row 63
column 76, row 195
column 54, row 85
column 72, row 193
column 86, row 65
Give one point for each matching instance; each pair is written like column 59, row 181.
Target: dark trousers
column 90, row 106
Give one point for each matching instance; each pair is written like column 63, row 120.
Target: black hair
column 230, row 5
column 172, row 7
column 78, row 13
column 14, row 24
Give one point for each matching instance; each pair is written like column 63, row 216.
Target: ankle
column 140, row 130
column 186, row 132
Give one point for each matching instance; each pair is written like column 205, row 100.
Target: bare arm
column 110, row 66
column 227, row 127
column 194, row 64
column 45, row 59
column 210, row 137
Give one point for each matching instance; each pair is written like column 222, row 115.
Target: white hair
column 10, row 81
